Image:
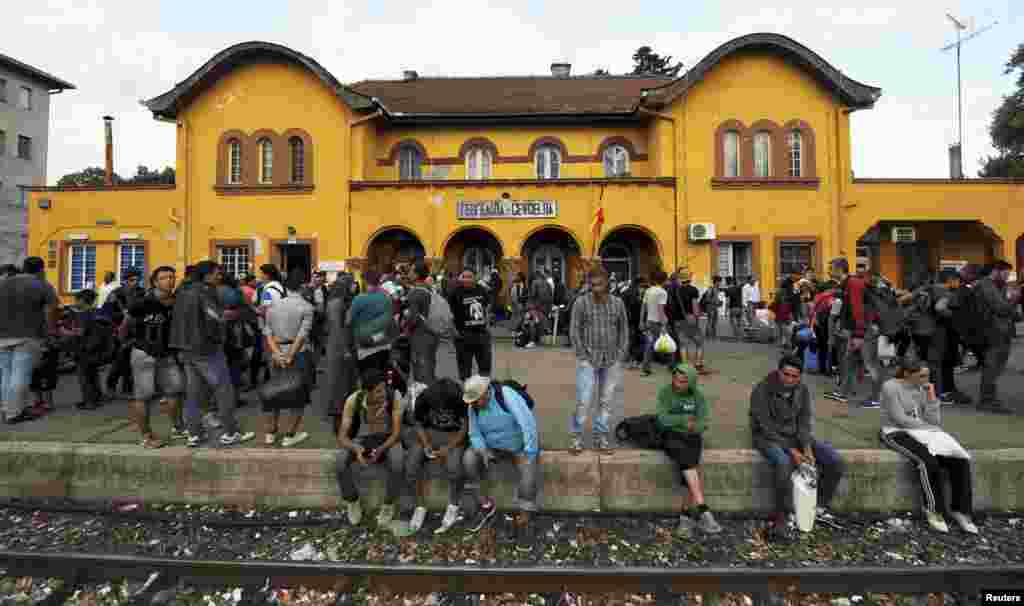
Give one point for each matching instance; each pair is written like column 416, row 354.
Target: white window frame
column 731, row 154
column 297, row 161
column 266, row 151
column 762, row 154
column 410, row 163
column 136, row 249
column 86, row 278
column 479, row 163
column 234, row 162
column 548, row 162
column 231, row 263
column 616, row 161
column 25, row 98
column 796, row 153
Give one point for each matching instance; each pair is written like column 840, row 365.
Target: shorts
column 683, row 448
column 156, row 378
column 689, row 331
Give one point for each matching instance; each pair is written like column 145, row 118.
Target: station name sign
column 507, row 209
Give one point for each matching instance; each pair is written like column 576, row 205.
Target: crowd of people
column 187, row 348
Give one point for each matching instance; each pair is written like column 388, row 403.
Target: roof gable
column 853, row 93
column 35, row 74
column 168, row 104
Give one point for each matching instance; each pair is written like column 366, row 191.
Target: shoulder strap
column 499, row 395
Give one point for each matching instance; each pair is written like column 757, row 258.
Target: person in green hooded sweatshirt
column 682, row 416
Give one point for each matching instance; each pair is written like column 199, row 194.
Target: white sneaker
column 418, row 517
column 385, row 515
column 355, row 512
column 936, row 522
column 298, row 438
column 230, row 439
column 269, row 439
column 530, row 345
column 965, row 522
column 451, row 517
column 211, row 421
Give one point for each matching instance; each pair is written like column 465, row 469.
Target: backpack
column 707, row 299
column 971, row 317
column 643, row 431
column 439, row 318
column 892, row 319
column 263, row 287
column 519, row 389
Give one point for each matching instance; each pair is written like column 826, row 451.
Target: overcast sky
column 118, row 52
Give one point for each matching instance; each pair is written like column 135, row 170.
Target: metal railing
column 79, row 568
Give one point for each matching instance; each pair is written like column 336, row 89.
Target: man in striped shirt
column 600, row 334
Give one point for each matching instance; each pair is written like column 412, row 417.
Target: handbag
column 665, row 344
column 285, row 388
column 169, row 378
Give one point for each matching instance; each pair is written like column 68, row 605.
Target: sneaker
column 837, row 396
column 230, row 439
column 575, row 443
column 686, row 525
column 386, row 515
column 269, row 439
column 211, row 421
column 179, row 433
column 194, row 440
column 151, row 443
column 871, row 404
column 708, row 524
column 947, row 398
column 523, row 530
column 418, row 517
column 294, row 439
column 451, row 517
column 602, row 443
column 936, row 522
column 530, row 345
column 965, row 522
column 484, row 515
column 355, row 512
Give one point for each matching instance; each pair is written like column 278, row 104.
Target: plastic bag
column 886, row 348
column 805, row 496
column 665, row 344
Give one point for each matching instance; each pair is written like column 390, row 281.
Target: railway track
column 257, row 578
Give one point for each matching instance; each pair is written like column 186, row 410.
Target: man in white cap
column 501, row 427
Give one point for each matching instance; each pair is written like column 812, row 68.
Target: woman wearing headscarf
column 682, row 417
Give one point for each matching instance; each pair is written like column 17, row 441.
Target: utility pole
column 956, row 150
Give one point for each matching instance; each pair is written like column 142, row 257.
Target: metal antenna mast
column 960, row 28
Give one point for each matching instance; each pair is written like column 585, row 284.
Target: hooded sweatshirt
column 676, row 409
column 781, row 416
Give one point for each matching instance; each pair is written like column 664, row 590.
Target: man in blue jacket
column 500, row 430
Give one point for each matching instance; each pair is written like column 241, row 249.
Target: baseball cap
column 684, row 275
column 475, row 388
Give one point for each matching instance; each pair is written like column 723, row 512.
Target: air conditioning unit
column 904, row 235
column 701, row 232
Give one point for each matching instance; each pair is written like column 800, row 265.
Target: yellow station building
column 741, row 166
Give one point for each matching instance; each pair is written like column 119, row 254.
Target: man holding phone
column 441, row 428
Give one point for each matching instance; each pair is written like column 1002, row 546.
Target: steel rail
column 86, row 567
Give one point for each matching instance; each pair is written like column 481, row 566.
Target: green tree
column 145, row 176
column 1007, row 127
column 94, row 176
column 648, row 62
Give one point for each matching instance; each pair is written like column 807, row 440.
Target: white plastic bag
column 886, row 348
column 939, row 443
column 665, row 344
column 805, row 496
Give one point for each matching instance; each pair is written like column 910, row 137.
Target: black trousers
column 121, row 369
column 89, row 379
column 824, row 361
column 930, row 468
column 467, row 350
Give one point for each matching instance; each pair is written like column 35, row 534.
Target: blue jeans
column 607, row 381
column 204, row 374
column 16, row 364
column 830, row 472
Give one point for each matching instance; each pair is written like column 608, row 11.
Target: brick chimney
column 956, row 162
column 108, row 125
column 561, row 70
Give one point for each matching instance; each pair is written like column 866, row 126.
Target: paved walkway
column 550, row 374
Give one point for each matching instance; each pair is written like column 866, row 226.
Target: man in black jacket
column 781, row 418
column 1001, row 313
column 422, row 341
column 198, row 331
column 117, row 306
column 470, row 308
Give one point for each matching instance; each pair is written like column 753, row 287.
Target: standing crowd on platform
column 186, row 345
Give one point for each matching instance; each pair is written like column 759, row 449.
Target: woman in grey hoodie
column 909, row 403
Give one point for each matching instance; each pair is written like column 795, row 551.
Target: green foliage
column 95, row 176
column 646, row 61
column 1007, row 127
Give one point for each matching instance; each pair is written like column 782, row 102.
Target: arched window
column 731, row 150
column 234, row 162
column 548, row 161
column 266, row 149
column 297, row 150
column 478, row 163
column 410, row 163
column 795, row 153
column 762, row 154
column 616, row 161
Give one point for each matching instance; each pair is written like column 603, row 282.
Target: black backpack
column 971, row 316
column 518, row 387
column 643, row 431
